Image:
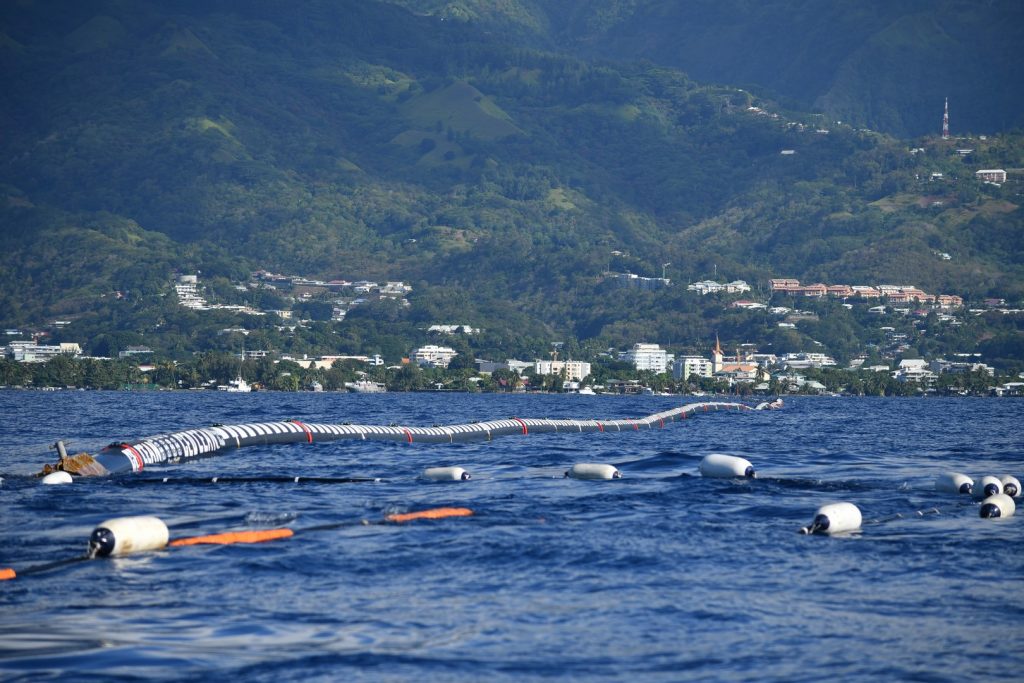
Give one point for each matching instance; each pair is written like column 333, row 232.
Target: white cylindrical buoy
column 590, row 470
column 834, row 518
column 446, row 474
column 724, row 466
column 954, row 482
column 987, row 486
column 60, row 477
column 999, row 505
column 1011, row 485
column 124, row 535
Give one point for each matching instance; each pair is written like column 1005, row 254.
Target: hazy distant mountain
column 886, row 65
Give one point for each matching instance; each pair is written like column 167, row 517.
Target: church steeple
column 717, row 357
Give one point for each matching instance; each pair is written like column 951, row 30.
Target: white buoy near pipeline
column 1011, row 485
column 722, row 466
column 999, row 505
column 834, row 518
column 987, row 486
column 954, row 482
column 446, row 474
column 124, row 535
column 59, row 477
column 591, row 470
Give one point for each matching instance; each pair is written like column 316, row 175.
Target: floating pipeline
column 125, row 457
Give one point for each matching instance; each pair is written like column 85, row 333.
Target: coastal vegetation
column 206, row 371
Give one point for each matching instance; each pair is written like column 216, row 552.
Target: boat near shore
column 237, row 386
column 365, row 386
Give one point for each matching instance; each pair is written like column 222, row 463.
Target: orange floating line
column 7, row 574
column 230, row 537
column 434, row 513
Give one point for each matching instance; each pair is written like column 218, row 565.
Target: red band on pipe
column 309, row 434
column 408, row 434
column 136, row 458
column 525, row 430
column 600, row 427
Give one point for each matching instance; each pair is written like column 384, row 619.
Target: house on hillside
column 991, row 175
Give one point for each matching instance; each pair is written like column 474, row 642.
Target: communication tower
column 945, row 121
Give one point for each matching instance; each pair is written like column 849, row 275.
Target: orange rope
column 434, row 513
column 7, row 574
column 258, row 536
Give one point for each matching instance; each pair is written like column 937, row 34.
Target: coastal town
column 448, row 361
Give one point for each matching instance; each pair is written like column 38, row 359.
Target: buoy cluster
column 995, row 493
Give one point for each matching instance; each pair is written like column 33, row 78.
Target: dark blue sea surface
column 659, row 576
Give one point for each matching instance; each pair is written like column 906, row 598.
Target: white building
column 685, row 367
column 647, row 357
column 516, row 366
column 991, row 175
column 187, row 289
column 575, row 370
column 453, row 329
column 808, row 360
column 30, row 352
column 434, row 356
column 914, row 370
column 640, row 282
column 712, row 287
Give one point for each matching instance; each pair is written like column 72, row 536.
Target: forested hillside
column 359, row 139
column 885, row 65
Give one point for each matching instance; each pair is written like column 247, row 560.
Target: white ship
column 238, row 385
column 365, row 386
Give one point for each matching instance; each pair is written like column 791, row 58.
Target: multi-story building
column 30, row 352
column 685, row 367
column 647, row 357
column 433, row 356
column 575, row 370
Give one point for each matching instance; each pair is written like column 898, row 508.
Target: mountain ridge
column 361, row 139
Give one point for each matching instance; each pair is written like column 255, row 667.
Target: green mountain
column 888, row 66
column 360, row 139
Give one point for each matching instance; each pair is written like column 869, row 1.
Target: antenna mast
column 945, row 121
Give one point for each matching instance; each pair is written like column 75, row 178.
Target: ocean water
column 659, row 576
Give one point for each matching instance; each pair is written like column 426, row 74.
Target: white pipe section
column 60, row 477
column 446, row 474
column 589, row 470
column 987, row 486
column 1011, row 485
column 834, row 518
column 954, row 482
column 724, row 466
column 999, row 505
column 124, row 535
